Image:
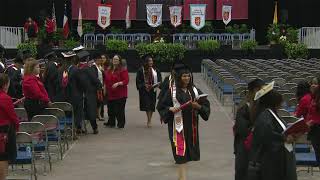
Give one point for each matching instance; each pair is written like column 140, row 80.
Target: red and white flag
column 79, row 28
column 128, row 21
column 54, row 19
column 66, row 29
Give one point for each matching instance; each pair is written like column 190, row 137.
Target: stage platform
column 194, row 57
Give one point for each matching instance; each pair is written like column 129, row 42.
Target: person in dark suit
column 15, row 74
column 93, row 84
column 74, row 88
column 50, row 77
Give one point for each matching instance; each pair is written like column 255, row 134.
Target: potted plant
column 273, row 34
column 88, row 28
column 30, row 46
column 249, row 47
column 57, row 37
column 296, row 50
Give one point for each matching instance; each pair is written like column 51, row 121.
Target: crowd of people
column 262, row 150
column 89, row 81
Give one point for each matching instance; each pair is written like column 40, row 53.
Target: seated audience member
column 37, row 98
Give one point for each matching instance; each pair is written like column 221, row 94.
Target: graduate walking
column 147, row 80
column 183, row 122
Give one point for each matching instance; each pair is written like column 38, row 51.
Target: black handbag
column 254, row 166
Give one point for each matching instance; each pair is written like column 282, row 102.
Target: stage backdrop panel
column 89, row 9
column 210, row 9
column 239, row 8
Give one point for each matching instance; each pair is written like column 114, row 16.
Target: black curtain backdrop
column 299, row 13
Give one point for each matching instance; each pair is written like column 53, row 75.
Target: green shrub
column 249, row 45
column 292, row 35
column 273, row 33
column 296, row 50
column 243, row 28
column 71, row 43
column 58, row 35
column 229, row 29
column 208, row 27
column 162, row 52
column 117, row 46
column 31, row 46
column 115, row 30
column 88, row 27
column 208, row 45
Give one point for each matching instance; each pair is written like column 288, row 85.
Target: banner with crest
column 104, row 15
column 226, row 14
column 198, row 15
column 176, row 15
column 154, row 14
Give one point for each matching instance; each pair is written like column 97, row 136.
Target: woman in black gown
column 242, row 128
column 147, row 80
column 270, row 147
column 183, row 123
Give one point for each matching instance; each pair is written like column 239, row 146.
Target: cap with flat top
column 68, row 54
column 264, row 90
column 83, row 55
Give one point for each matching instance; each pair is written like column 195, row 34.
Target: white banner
column 154, row 14
column 198, row 15
column 226, row 14
column 176, row 15
column 104, row 14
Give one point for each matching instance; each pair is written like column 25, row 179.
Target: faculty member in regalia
column 147, row 80
column 183, row 123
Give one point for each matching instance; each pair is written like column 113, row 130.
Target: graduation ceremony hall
column 159, row 89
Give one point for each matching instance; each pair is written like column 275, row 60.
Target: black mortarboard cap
column 50, row 55
column 18, row 58
column 256, row 83
column 26, row 54
column 83, row 55
column 95, row 55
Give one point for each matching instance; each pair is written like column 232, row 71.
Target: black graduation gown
column 276, row 162
column 164, row 86
column 90, row 77
column 147, row 99
column 61, row 92
column 2, row 67
column 192, row 150
column 15, row 88
column 51, row 81
column 241, row 129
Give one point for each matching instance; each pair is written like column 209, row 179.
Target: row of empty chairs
column 190, row 39
column 91, row 40
column 45, row 135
